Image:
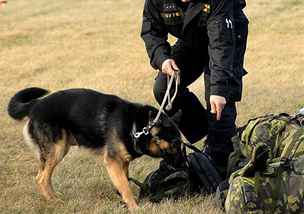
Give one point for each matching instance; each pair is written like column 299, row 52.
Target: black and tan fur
column 90, row 119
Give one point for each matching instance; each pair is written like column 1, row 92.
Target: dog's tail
column 21, row 103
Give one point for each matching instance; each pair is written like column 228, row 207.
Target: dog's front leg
column 115, row 168
column 126, row 168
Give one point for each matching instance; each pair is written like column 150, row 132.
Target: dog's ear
column 177, row 116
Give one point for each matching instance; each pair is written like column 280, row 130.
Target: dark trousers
column 197, row 121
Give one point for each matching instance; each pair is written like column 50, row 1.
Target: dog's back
column 85, row 113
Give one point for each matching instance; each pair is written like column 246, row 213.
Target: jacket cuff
column 220, row 90
column 159, row 58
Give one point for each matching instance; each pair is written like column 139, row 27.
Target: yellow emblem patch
column 206, row 8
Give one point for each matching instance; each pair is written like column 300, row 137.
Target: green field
column 96, row 44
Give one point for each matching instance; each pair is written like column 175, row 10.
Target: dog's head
column 164, row 139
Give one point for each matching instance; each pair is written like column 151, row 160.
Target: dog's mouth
column 162, row 148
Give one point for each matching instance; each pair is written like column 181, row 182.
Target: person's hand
column 169, row 67
column 217, row 105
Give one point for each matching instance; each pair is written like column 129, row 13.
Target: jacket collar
column 192, row 11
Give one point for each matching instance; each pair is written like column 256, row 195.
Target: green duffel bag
column 269, row 156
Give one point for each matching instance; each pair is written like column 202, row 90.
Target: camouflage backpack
column 269, row 156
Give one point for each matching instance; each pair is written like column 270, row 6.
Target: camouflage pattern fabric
column 274, row 195
column 269, row 153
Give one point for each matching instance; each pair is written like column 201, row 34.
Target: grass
column 96, row 44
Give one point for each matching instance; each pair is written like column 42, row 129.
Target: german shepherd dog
column 103, row 123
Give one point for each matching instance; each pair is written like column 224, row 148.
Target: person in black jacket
column 211, row 39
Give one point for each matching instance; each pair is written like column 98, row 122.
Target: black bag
column 207, row 175
column 167, row 182
column 197, row 175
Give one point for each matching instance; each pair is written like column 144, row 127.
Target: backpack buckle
column 274, row 169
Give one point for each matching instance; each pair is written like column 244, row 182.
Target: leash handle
column 177, row 82
column 167, row 96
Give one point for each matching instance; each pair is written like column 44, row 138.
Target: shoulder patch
column 172, row 14
column 206, row 8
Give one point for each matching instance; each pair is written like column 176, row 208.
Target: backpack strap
column 284, row 162
column 291, row 148
column 258, row 156
column 252, row 124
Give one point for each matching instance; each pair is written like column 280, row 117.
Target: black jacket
column 197, row 23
